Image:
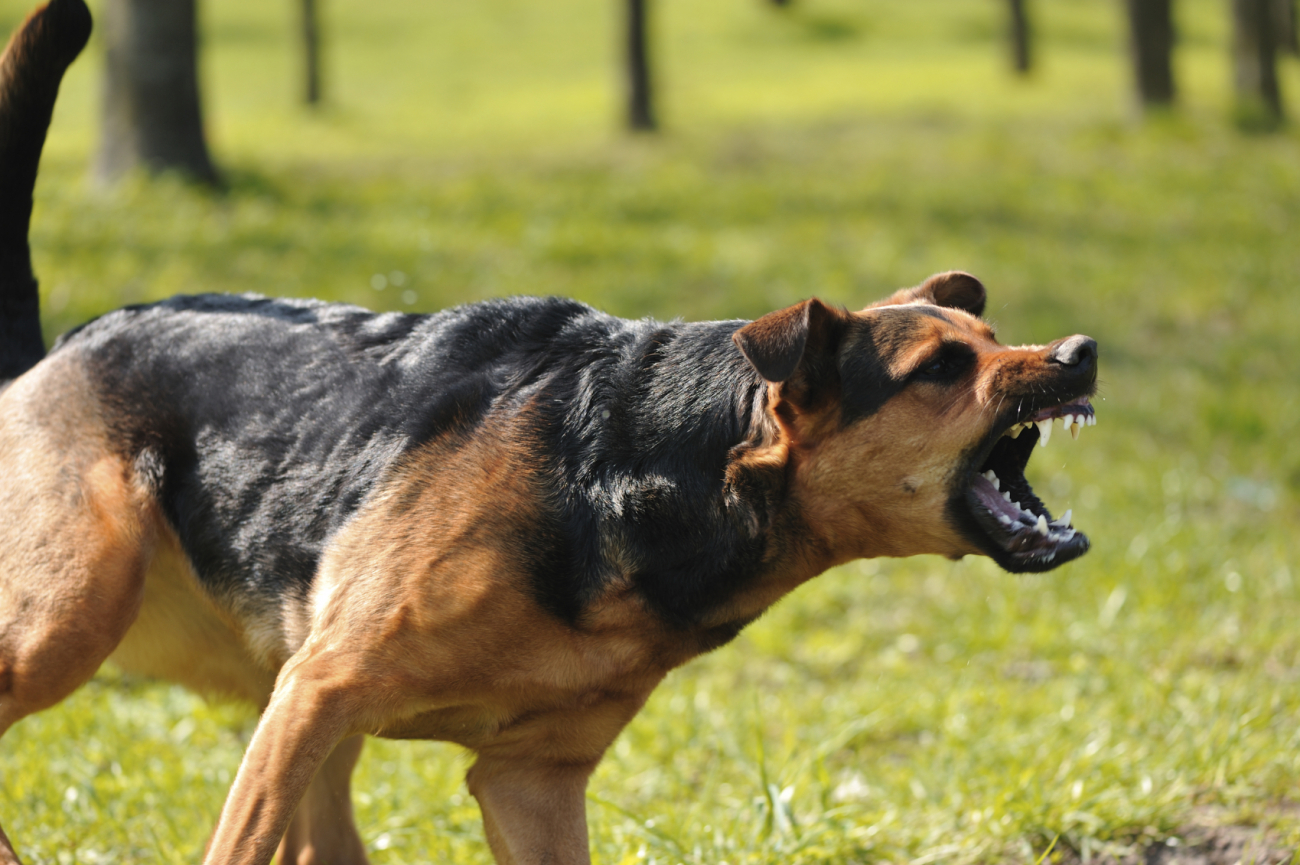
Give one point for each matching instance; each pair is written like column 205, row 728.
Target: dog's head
column 905, row 427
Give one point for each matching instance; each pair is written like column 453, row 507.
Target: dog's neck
column 694, row 503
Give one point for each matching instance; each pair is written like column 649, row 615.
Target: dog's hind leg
column 322, row 830
column 76, row 534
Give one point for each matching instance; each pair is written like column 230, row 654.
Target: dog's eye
column 937, row 367
column 944, row 366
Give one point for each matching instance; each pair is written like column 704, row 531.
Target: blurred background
column 1121, row 169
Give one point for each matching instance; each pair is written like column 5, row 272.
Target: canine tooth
column 1044, row 431
column 1064, row 521
column 1074, row 431
column 1042, row 525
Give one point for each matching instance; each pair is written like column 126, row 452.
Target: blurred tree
column 1259, row 100
column 1151, row 42
column 1021, row 60
column 640, row 97
column 1287, row 26
column 310, row 20
column 151, row 113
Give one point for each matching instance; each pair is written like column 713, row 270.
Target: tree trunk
column 311, row 52
column 152, row 117
column 1254, row 62
column 1151, row 43
column 640, row 98
column 1021, row 60
column 1286, row 26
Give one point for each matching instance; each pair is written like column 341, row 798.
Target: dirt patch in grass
column 1220, row 845
column 1208, row 840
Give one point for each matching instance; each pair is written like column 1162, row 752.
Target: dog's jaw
column 1004, row 508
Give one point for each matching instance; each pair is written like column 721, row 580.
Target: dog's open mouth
column 1005, row 507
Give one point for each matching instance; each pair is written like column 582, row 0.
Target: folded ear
column 953, row 289
column 795, row 348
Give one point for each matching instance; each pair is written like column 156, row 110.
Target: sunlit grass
column 920, row 710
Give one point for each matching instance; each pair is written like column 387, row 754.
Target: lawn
column 919, row 711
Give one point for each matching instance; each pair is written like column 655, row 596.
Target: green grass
column 917, row 710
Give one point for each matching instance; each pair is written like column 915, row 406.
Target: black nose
column 1073, row 350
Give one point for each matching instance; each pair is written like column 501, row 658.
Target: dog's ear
column 794, row 348
column 954, row 289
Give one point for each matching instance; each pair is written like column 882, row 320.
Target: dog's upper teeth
column 1044, row 431
column 1041, row 525
column 1067, row 419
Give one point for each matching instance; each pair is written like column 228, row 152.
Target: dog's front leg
column 323, row 830
column 531, row 782
column 311, row 710
column 534, row 813
column 7, row 854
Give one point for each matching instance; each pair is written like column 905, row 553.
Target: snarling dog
column 499, row 525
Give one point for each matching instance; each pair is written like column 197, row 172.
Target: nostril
column 1074, row 350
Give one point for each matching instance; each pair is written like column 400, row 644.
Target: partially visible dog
column 499, row 525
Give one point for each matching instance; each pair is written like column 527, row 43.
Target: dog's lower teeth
column 1041, row 525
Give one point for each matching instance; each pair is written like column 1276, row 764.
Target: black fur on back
column 265, row 424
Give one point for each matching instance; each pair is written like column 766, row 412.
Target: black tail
column 30, row 72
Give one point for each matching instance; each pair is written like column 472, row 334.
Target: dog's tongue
column 997, row 504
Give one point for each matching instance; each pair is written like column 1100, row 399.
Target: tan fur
column 77, row 537
column 182, row 636
column 322, row 830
